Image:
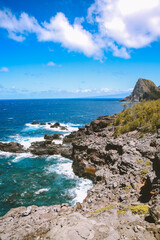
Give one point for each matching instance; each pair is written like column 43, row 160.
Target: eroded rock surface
column 12, row 147
column 124, row 201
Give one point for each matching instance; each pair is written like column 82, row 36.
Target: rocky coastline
column 124, row 202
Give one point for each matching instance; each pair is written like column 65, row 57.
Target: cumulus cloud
column 129, row 23
column 4, row 69
column 18, row 28
column 74, row 37
column 122, row 25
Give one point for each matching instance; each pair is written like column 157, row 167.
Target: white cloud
column 52, row 64
column 130, row 23
column 122, row 25
column 74, row 37
column 106, row 90
column 4, row 69
column 18, row 28
column 82, row 91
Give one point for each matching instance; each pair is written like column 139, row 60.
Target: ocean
column 26, row 179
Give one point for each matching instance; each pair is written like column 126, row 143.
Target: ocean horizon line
column 89, row 98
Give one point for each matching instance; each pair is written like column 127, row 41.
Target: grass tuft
column 102, row 209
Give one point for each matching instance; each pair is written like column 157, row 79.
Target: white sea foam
column 16, row 156
column 34, row 126
column 21, row 156
column 64, row 167
column 6, row 154
column 70, row 127
column 42, row 190
column 80, row 191
column 26, row 141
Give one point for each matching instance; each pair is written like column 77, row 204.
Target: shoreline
column 122, row 169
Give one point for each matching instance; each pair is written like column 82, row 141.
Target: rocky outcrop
column 11, row 147
column 124, row 201
column 52, row 137
column 49, row 148
column 144, row 89
column 70, row 223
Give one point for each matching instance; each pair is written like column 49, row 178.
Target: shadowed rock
column 144, row 89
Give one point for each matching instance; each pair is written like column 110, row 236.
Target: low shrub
column 144, row 116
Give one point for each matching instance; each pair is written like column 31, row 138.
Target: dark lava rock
column 63, row 128
column 49, row 148
column 52, row 137
column 35, row 123
column 55, row 125
column 74, row 136
column 102, row 122
column 66, row 151
column 43, row 148
column 12, row 147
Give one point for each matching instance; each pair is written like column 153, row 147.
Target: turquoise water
column 26, row 179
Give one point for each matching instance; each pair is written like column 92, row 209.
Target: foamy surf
column 70, row 127
column 16, row 157
column 26, row 141
column 42, row 190
column 80, row 191
column 6, row 154
column 22, row 156
column 64, row 167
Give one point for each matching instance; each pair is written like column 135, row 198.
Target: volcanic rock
column 144, row 89
column 11, row 147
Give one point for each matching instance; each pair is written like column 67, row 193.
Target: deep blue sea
column 26, row 179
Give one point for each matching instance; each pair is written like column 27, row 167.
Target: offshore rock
column 12, row 147
column 49, row 148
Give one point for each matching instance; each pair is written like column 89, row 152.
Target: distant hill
column 144, row 89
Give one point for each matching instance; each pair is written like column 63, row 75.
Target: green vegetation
column 144, row 116
column 139, row 209
column 102, row 209
column 148, row 163
column 143, row 171
column 139, row 160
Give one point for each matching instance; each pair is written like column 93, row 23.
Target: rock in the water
column 12, row 147
column 55, row 125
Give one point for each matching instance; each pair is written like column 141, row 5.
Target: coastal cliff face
column 124, row 201
column 144, row 89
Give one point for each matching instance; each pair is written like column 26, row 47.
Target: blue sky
column 83, row 48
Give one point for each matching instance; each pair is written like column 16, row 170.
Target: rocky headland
column 143, row 90
column 124, row 202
